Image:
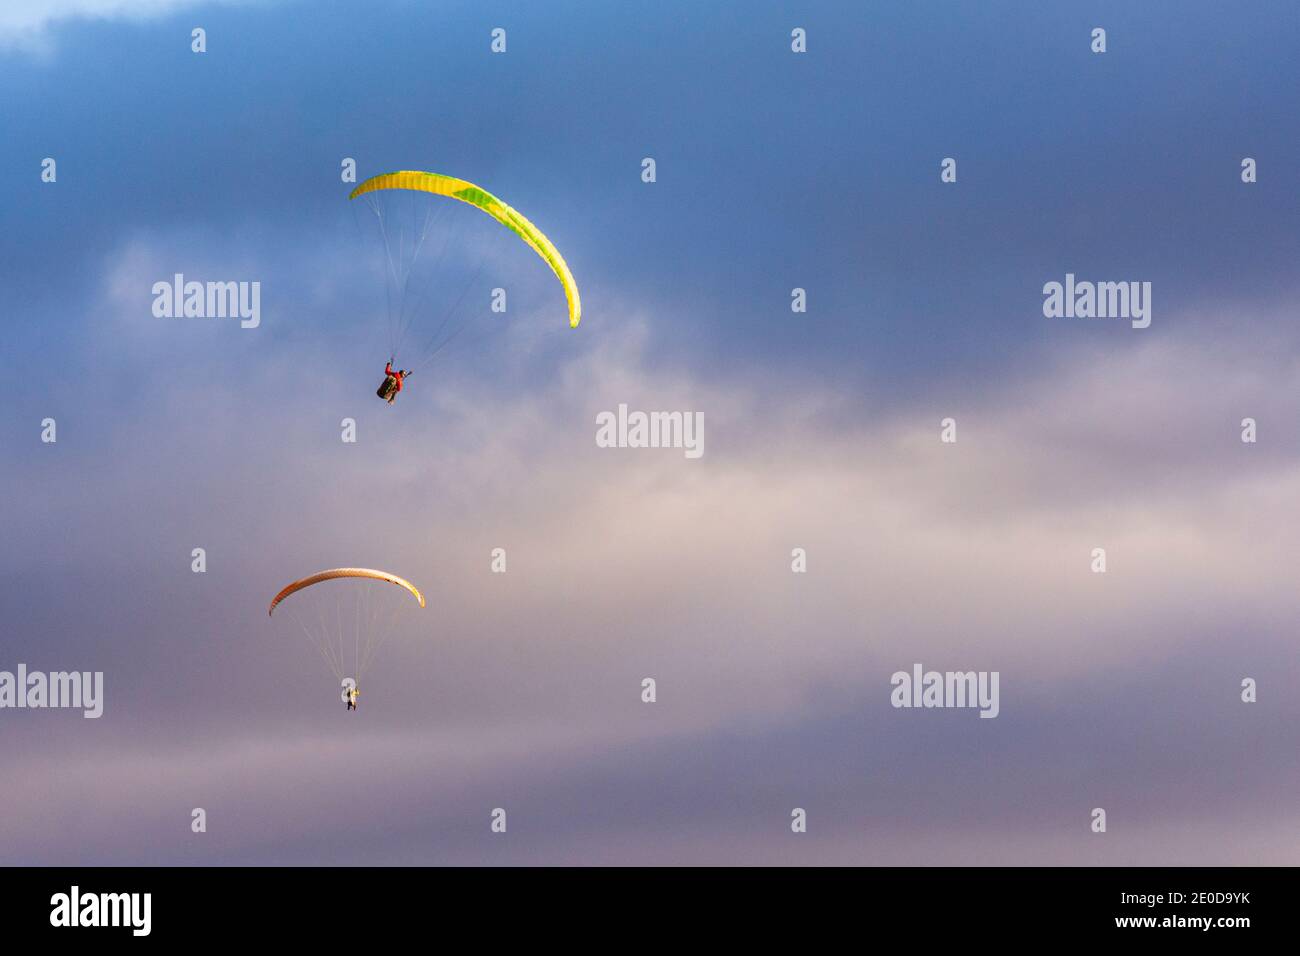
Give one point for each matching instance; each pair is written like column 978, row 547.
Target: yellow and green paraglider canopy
column 511, row 218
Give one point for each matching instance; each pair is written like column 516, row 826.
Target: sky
column 774, row 170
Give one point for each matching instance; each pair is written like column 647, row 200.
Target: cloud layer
column 522, row 690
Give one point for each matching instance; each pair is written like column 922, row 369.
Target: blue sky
column 819, row 170
column 774, row 171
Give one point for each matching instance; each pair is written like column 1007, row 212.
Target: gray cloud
column 522, row 690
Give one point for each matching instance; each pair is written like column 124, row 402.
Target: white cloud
column 29, row 24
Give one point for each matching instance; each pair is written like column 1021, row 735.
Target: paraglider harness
column 392, row 383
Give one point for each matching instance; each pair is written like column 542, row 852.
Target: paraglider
column 430, row 268
column 392, row 383
column 356, row 616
